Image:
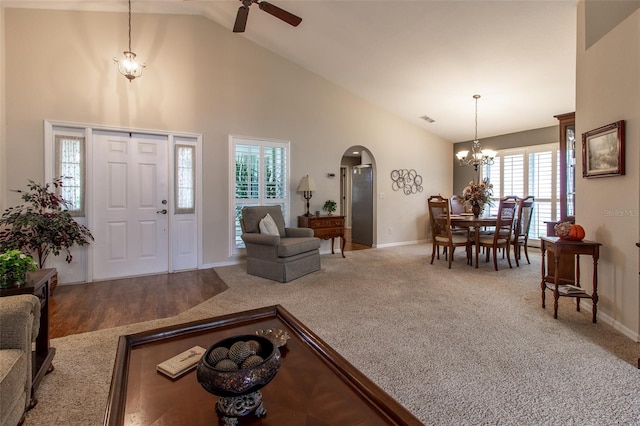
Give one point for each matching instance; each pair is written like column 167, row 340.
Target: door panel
column 362, row 206
column 130, row 184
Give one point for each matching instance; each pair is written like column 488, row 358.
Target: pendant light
column 478, row 156
column 127, row 65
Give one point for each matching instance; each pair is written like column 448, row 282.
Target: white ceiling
column 415, row 58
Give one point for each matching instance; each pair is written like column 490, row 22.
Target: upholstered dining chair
column 501, row 236
column 521, row 226
column 441, row 233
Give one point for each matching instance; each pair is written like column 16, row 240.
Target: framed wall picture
column 603, row 151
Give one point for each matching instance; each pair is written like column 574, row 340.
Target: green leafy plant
column 330, row 206
column 14, row 266
column 42, row 225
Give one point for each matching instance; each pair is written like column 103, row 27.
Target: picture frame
column 603, row 151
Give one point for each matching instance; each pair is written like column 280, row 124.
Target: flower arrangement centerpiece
column 14, row 266
column 478, row 195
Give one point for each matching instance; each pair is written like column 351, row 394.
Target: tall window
column 70, row 164
column 528, row 171
column 261, row 176
column 185, row 179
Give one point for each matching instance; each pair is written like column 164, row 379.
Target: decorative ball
column 239, row 351
column 218, row 354
column 252, row 361
column 226, row 365
column 254, row 346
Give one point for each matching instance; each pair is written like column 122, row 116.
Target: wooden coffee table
column 315, row 385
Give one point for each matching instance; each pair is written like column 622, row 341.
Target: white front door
column 130, row 204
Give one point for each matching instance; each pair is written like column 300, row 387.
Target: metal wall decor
column 408, row 181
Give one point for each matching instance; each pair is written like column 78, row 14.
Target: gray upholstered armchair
column 285, row 255
column 19, row 326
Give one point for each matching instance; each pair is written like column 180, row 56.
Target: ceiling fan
column 243, row 14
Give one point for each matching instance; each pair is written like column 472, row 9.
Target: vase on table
column 476, row 210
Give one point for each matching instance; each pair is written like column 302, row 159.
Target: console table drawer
column 325, row 233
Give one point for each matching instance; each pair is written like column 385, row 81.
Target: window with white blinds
column 528, row 171
column 70, row 165
column 261, row 171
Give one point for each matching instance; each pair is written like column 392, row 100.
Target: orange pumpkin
column 576, row 232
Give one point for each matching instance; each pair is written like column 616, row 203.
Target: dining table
column 468, row 220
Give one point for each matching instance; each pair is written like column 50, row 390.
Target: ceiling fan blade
column 282, row 14
column 241, row 19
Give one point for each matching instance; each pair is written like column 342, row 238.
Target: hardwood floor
column 98, row 305
column 105, row 304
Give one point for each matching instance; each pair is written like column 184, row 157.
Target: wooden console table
column 325, row 227
column 559, row 248
column 38, row 283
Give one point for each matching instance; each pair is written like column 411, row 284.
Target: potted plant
column 330, row 206
column 14, row 266
column 42, row 224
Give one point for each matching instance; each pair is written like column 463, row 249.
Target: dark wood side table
column 559, row 248
column 38, row 284
column 325, row 227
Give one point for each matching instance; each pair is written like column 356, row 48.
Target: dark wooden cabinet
column 325, row 227
column 38, row 284
column 567, row 175
column 567, row 160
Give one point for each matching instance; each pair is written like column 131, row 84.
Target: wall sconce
column 307, row 186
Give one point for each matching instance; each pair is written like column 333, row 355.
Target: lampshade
column 306, row 184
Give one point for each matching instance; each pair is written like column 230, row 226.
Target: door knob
column 163, row 211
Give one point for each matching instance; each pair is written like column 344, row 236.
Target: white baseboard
column 587, row 305
column 401, row 243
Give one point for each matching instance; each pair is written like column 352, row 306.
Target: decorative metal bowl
column 276, row 335
column 243, row 380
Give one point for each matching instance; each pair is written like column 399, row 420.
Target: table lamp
column 307, row 186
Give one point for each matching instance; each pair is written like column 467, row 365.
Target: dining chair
column 501, row 236
column 441, row 232
column 457, row 204
column 522, row 223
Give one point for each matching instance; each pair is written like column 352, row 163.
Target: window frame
column 526, row 151
column 58, row 137
column 236, row 249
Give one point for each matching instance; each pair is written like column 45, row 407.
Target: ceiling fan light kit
column 243, row 13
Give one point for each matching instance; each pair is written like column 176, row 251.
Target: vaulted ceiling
column 415, row 58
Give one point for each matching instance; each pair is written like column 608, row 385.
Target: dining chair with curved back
column 522, row 223
column 441, row 233
column 501, row 236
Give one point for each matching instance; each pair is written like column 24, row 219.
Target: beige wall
column 205, row 79
column 608, row 90
column 2, row 116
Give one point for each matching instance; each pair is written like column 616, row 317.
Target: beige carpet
column 460, row 346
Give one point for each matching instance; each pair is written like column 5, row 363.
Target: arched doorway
column 357, row 189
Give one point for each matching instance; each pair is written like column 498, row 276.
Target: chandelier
column 127, row 65
column 478, row 156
